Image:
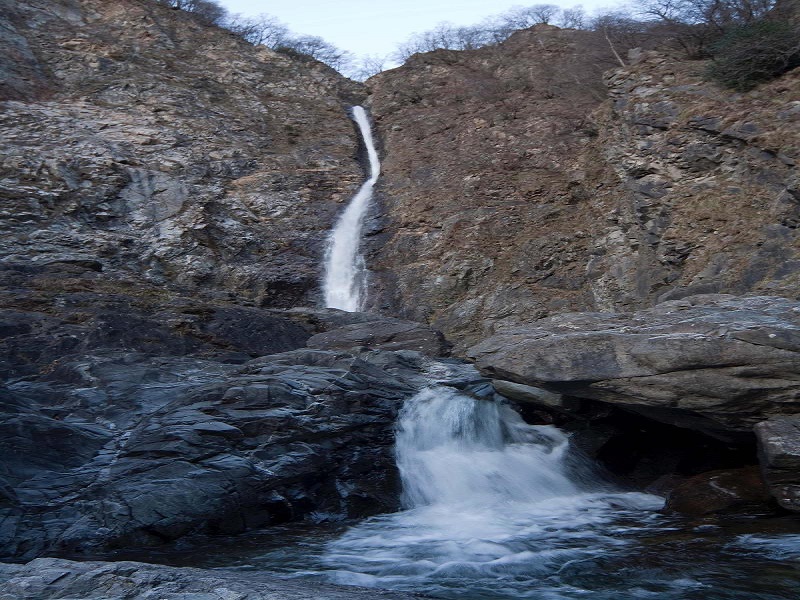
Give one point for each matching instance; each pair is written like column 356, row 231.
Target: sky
column 377, row 27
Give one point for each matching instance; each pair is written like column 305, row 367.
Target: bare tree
column 572, row 18
column 209, row 11
column 445, row 36
column 367, row 66
column 524, row 17
column 262, row 30
column 317, row 48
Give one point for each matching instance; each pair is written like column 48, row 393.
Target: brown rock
column 734, row 490
column 512, row 189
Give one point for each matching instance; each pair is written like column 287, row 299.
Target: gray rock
column 128, row 450
column 384, row 334
column 533, row 395
column 68, row 580
column 718, row 364
column 779, row 450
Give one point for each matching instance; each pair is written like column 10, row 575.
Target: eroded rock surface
column 384, row 334
column 143, row 145
column 64, row 579
column 118, row 449
column 717, row 364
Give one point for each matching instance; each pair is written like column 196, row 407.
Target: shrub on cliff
column 755, row 53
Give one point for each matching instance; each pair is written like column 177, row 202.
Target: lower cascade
column 345, row 274
column 495, row 508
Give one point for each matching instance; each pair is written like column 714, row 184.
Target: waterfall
column 345, row 273
column 453, row 449
column 492, row 508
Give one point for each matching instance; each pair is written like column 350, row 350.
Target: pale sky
column 377, row 27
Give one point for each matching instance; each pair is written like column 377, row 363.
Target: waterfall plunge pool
column 496, row 510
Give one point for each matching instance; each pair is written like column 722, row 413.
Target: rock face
column 146, row 147
column 779, row 449
column 385, row 334
column 513, row 190
column 54, row 578
column 481, row 180
column 717, row 364
column 118, row 449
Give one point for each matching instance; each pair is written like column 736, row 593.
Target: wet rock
column 717, row 492
column 533, row 395
column 149, row 449
column 55, row 578
column 717, row 364
column 779, row 450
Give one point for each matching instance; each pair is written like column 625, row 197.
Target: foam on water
column 490, row 505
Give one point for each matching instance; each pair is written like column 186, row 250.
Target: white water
column 345, row 274
column 492, row 508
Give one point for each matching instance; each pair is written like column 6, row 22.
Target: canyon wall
column 519, row 182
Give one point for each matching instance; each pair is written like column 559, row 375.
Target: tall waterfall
column 345, row 273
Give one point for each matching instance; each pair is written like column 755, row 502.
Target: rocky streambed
column 177, row 430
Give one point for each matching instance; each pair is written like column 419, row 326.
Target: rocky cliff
column 147, row 149
column 166, row 189
column 519, row 183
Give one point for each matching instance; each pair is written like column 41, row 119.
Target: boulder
column 55, row 578
column 779, row 450
column 714, row 363
column 725, row 491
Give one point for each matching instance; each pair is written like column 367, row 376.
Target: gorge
column 572, row 370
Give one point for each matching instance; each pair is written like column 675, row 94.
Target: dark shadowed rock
column 63, row 579
column 125, row 450
column 779, row 450
column 733, row 490
column 718, row 364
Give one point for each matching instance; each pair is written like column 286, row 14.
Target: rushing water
column 496, row 509
column 345, row 274
column 492, row 508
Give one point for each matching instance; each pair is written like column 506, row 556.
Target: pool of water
column 633, row 553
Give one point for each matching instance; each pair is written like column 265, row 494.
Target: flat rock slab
column 55, row 578
column 715, row 363
column 383, row 334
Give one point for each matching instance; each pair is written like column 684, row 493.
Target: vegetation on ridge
column 747, row 41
